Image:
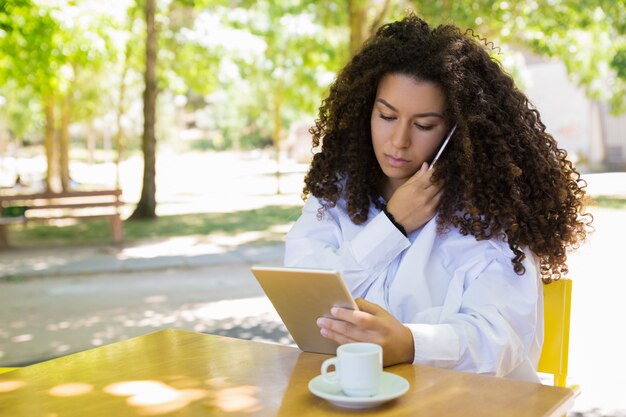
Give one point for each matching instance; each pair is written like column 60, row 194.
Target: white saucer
column 391, row 386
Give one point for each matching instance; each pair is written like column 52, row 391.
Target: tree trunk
column 278, row 102
column 146, row 208
column 360, row 29
column 380, row 17
column 50, row 144
column 357, row 12
column 119, row 133
column 64, row 142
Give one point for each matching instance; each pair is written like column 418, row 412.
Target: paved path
column 174, row 253
column 71, row 300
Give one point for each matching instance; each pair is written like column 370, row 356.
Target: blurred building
column 594, row 138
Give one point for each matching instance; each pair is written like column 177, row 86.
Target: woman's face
column 408, row 125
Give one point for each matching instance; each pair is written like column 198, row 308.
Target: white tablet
column 301, row 296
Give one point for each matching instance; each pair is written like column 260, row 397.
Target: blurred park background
column 86, row 83
column 198, row 110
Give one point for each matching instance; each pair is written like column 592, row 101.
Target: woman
column 446, row 261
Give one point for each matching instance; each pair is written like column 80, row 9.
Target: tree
column 28, row 59
column 87, row 49
column 588, row 37
column 47, row 50
column 271, row 61
column 362, row 25
column 295, row 62
column 146, row 207
column 122, row 91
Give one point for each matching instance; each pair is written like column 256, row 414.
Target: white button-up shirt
column 465, row 306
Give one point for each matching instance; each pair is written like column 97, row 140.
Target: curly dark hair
column 504, row 174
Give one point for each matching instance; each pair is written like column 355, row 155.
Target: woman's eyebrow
column 427, row 114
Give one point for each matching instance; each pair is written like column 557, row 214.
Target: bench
column 21, row 208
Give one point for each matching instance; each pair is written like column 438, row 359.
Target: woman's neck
column 389, row 186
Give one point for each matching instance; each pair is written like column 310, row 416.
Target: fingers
column 351, row 325
column 423, row 170
column 432, row 195
column 339, row 330
column 433, row 187
column 373, row 324
column 340, row 338
column 422, row 179
column 363, row 317
column 437, row 196
column 420, row 173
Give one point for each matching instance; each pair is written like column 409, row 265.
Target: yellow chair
column 557, row 299
column 3, row 370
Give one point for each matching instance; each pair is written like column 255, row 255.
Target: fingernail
column 320, row 322
column 324, row 332
column 334, row 311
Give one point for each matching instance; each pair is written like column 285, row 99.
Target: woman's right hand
column 415, row 202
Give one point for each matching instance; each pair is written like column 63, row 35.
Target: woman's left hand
column 373, row 324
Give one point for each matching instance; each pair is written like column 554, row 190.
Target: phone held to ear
column 443, row 146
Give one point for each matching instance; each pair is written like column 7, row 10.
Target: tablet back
column 300, row 296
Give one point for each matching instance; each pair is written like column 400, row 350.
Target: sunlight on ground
column 215, row 243
column 189, row 245
column 22, row 338
column 39, row 262
column 230, row 309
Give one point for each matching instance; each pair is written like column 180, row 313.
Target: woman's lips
column 396, row 162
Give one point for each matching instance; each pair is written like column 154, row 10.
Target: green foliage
column 239, row 61
column 21, row 113
column 256, row 140
column 588, row 36
column 28, row 46
column 186, row 63
column 55, row 50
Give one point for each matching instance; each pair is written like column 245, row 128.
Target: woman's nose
column 401, row 137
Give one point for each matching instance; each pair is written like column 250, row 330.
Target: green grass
column 609, row 202
column 97, row 232
column 94, row 232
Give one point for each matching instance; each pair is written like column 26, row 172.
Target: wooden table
column 180, row 373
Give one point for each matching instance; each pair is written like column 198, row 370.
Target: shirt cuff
column 435, row 344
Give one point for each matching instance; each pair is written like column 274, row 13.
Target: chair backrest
column 557, row 299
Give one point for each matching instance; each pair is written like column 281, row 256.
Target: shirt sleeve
column 332, row 241
column 487, row 325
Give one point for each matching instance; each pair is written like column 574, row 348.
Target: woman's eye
column 382, row 116
column 423, row 127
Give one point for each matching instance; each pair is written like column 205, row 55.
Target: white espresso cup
column 358, row 369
